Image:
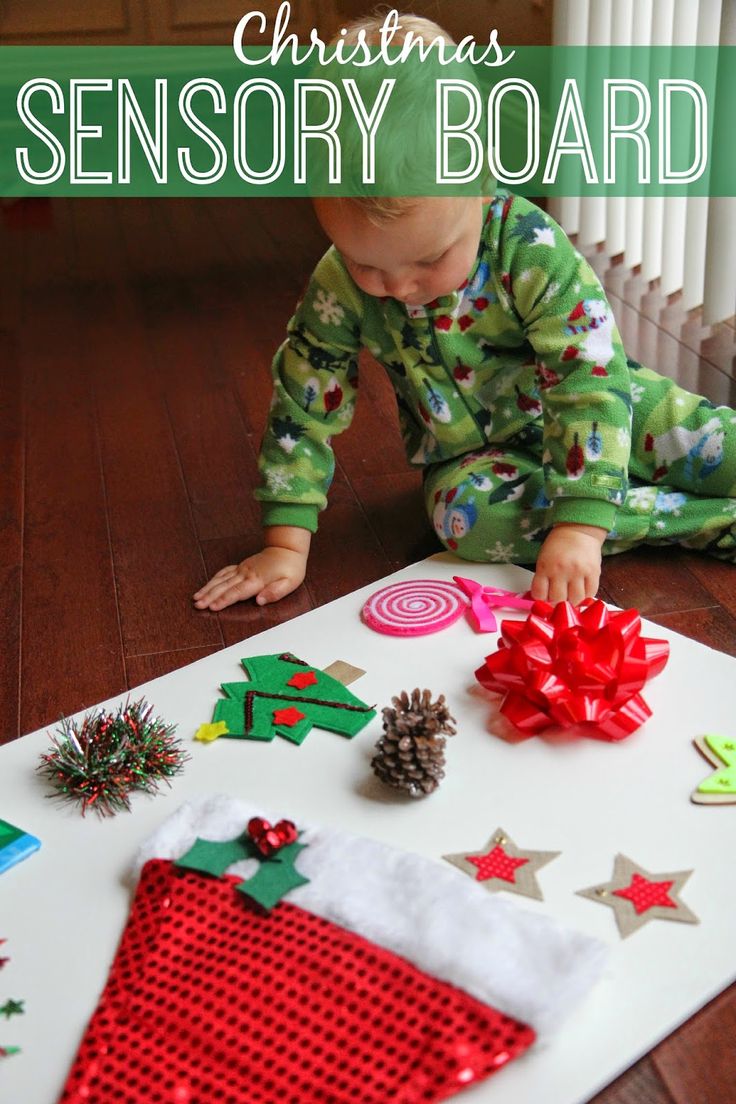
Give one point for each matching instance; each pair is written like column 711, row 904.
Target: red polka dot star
column 502, row 865
column 637, row 896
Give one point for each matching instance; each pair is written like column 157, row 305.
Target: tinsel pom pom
column 100, row 761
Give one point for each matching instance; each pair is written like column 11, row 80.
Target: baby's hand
column 267, row 576
column 569, row 564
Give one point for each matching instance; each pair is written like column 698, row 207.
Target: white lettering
column 130, row 113
column 240, row 132
column 531, row 99
column 58, row 156
column 634, row 130
column 369, row 123
column 570, row 111
column 187, row 94
column 667, row 174
column 80, row 132
column 466, row 131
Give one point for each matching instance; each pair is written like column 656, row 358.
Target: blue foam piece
column 18, row 848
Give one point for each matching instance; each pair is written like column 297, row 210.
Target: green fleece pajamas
column 490, row 505
column 516, row 398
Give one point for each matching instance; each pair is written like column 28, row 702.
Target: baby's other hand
column 569, row 564
column 269, row 575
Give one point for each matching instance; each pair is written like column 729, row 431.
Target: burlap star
column 637, row 896
column 501, row 865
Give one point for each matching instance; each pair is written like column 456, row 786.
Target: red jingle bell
column 269, row 838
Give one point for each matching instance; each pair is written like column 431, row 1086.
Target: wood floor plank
column 50, row 261
column 245, row 231
column 655, row 581
column 346, row 554
column 98, row 260
column 272, row 236
column 245, row 325
column 143, row 668
column 713, row 627
column 11, row 535
column 639, row 1085
column 698, row 1063
column 717, row 578
column 247, row 335
column 372, row 446
column 157, row 558
column 394, row 507
column 70, row 616
column 156, row 553
column 216, row 455
column 295, row 233
column 12, row 271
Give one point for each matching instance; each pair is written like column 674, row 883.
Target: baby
column 540, row 443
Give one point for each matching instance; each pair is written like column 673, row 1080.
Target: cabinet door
column 214, row 21
column 73, row 21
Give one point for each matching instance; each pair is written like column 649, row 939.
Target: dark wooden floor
column 135, row 341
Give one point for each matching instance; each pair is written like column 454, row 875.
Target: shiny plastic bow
column 483, row 598
column 566, row 666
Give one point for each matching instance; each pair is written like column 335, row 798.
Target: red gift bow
column 566, row 665
column 270, row 838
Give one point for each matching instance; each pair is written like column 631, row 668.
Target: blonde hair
column 422, row 28
column 382, row 209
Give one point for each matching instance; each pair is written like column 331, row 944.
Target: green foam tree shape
column 264, row 706
column 275, row 876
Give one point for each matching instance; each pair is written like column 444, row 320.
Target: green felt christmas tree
column 286, row 697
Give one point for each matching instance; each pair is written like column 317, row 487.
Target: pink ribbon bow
column 484, row 598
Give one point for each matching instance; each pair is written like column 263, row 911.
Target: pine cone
column 411, row 753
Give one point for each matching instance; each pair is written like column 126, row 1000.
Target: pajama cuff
column 300, row 515
column 584, row 511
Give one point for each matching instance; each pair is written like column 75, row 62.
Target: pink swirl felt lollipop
column 414, row 608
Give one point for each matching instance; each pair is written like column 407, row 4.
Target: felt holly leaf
column 274, row 877
column 214, row 856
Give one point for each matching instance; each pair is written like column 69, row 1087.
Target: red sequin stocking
column 211, row 1002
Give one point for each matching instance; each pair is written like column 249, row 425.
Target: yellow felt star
column 209, row 732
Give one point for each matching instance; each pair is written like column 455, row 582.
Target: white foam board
column 63, row 910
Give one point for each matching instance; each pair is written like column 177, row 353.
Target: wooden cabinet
column 151, row 22
column 213, row 21
column 46, row 22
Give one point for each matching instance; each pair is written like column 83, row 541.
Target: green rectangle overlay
column 197, row 121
